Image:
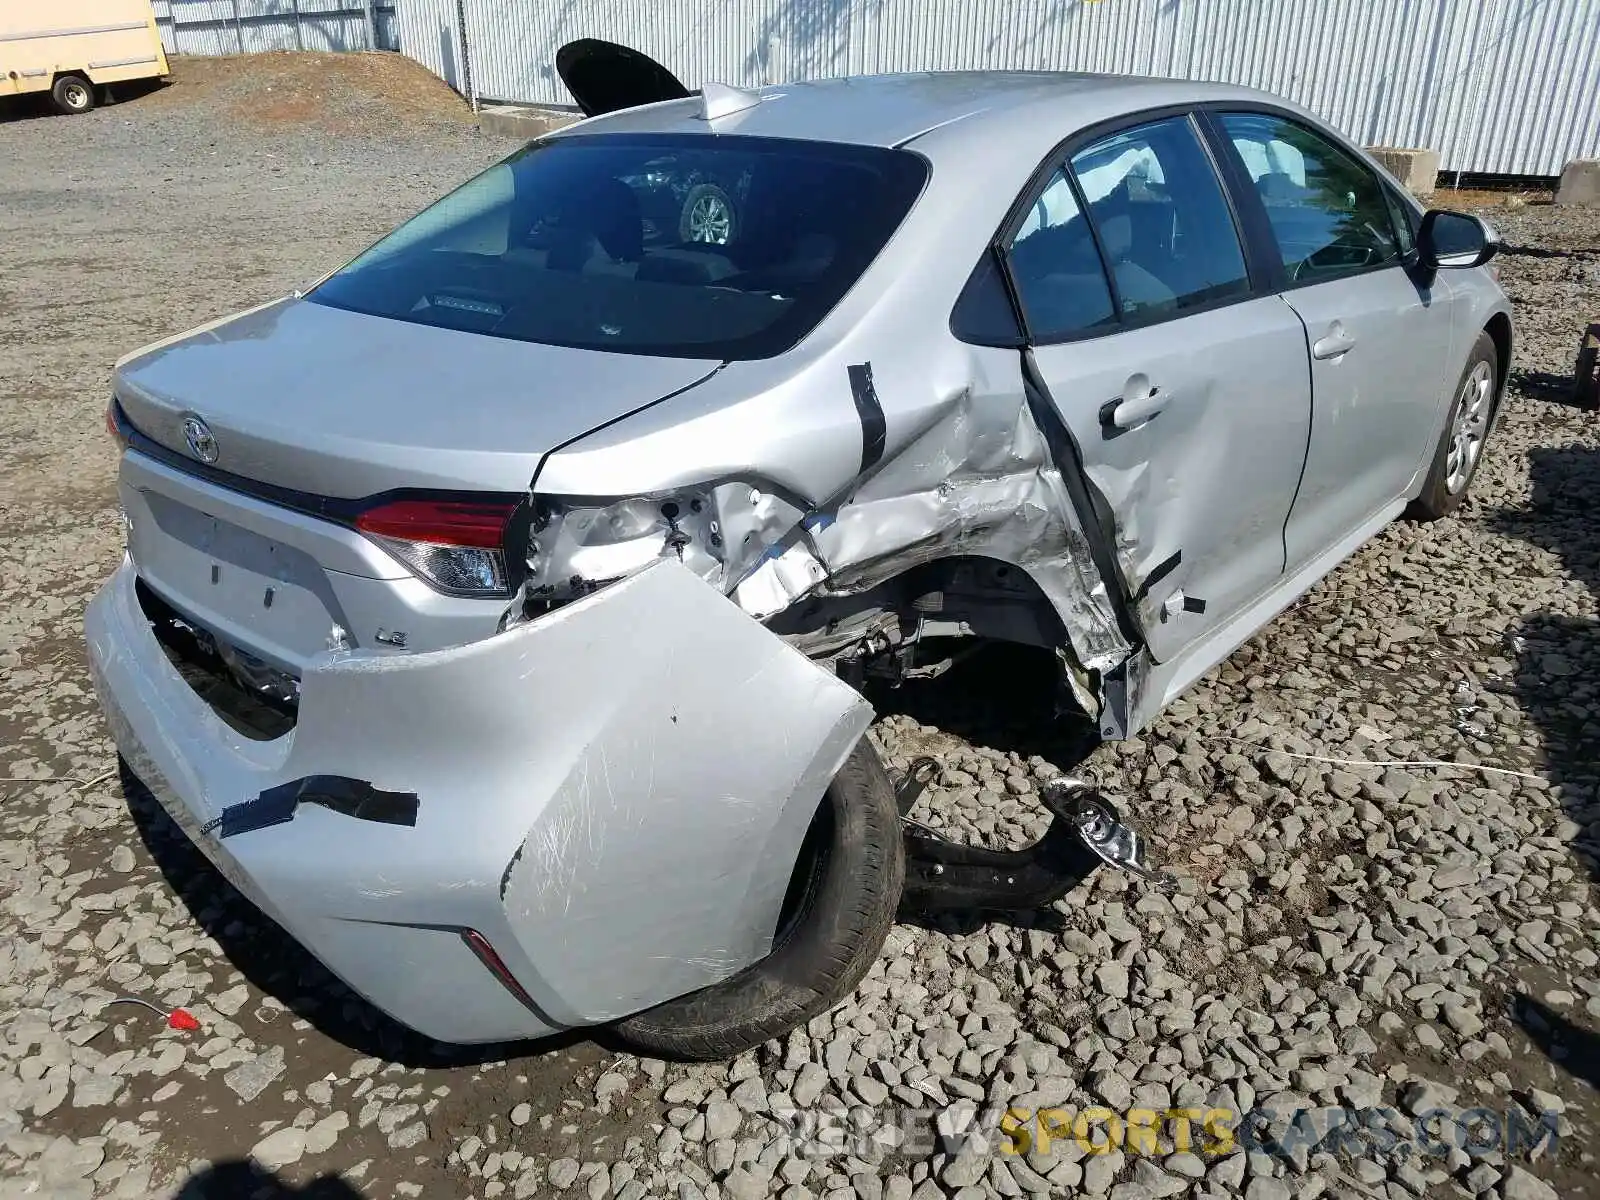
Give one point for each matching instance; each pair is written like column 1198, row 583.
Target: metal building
column 1496, row 86
column 252, row 26
column 1501, row 86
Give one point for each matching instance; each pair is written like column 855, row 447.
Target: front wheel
column 72, row 94
column 1466, row 432
column 840, row 904
column 707, row 216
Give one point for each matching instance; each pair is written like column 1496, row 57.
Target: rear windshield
column 690, row 246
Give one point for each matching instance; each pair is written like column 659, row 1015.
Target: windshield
column 689, row 246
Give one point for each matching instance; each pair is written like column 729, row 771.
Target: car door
column 1184, row 388
column 1379, row 336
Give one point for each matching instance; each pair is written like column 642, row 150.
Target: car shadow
column 1549, row 251
column 281, row 967
column 1557, row 657
column 244, row 1180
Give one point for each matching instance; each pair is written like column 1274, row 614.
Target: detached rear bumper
column 614, row 796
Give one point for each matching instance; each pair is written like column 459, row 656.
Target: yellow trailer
column 73, row 48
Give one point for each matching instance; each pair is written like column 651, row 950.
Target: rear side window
column 1329, row 214
column 676, row 245
column 1056, row 267
column 1156, row 238
column 1163, row 220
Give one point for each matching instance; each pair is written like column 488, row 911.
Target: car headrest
column 608, row 211
column 1278, row 185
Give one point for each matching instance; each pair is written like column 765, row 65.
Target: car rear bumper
column 613, row 796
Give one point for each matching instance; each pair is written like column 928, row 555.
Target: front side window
column 1163, row 220
column 1328, row 212
column 1403, row 218
column 667, row 244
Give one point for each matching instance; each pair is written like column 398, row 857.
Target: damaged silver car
column 496, row 611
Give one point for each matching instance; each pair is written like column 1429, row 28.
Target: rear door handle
column 1334, row 343
column 1140, row 402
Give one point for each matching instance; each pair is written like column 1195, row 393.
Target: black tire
column 840, row 906
column 72, row 94
column 700, row 206
column 1438, row 498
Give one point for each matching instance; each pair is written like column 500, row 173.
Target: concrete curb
column 1580, row 183
column 521, row 121
column 1417, row 169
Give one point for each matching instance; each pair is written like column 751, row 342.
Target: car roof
column 934, row 109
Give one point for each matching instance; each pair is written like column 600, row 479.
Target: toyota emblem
column 201, row 442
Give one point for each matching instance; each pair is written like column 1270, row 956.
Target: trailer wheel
column 840, row 905
column 72, row 94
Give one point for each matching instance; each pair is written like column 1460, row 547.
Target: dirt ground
column 1349, row 933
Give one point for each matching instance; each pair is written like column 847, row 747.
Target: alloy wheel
column 710, row 220
column 1470, row 428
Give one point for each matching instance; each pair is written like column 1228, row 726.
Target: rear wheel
column 72, row 94
column 838, row 910
column 1466, row 433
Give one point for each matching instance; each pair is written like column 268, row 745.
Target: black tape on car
column 874, row 429
column 352, row 797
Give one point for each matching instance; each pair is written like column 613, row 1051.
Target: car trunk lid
column 303, row 396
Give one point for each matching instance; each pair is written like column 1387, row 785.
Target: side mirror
column 1452, row 241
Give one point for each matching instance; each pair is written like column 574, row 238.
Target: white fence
column 1498, row 86
column 250, row 26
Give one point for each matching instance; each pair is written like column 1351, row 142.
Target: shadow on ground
column 1548, row 386
column 278, row 965
column 246, row 1181
column 37, row 104
column 1558, row 685
column 1007, row 697
column 1574, row 1048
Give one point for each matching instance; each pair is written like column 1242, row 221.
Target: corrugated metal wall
column 429, row 31
column 250, row 26
column 1505, row 86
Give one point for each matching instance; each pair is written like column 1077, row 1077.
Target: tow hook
column 944, row 876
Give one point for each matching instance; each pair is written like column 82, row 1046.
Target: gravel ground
column 1348, row 936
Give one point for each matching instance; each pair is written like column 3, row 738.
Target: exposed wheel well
column 961, row 596
column 911, row 624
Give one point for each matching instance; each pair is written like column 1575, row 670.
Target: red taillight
column 113, row 427
column 480, row 946
column 443, row 522
column 458, row 546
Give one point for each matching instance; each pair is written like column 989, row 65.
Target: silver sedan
column 497, row 611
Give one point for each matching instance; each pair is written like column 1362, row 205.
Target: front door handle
column 1140, row 402
column 1336, row 343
